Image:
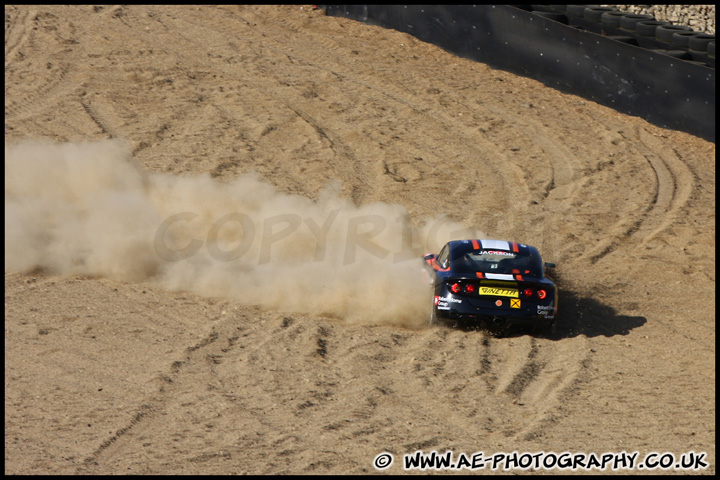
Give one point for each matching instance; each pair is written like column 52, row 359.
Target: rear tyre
column 433, row 320
column 547, row 330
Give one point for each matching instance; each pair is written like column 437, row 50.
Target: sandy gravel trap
column 214, row 224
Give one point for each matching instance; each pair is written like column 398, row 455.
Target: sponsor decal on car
column 547, row 310
column 443, row 303
column 449, row 300
column 498, row 291
column 495, row 252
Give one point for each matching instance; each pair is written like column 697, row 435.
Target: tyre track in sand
column 351, row 74
column 17, row 31
column 128, row 438
column 535, row 374
column 666, row 195
column 550, row 177
column 675, row 183
column 36, row 36
column 212, row 422
column 302, row 99
column 228, row 62
column 538, row 385
column 521, row 374
column 26, row 45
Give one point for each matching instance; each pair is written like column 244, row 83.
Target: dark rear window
column 468, row 260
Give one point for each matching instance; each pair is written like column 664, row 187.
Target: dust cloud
column 89, row 209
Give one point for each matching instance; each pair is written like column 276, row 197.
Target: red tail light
column 541, row 294
column 455, row 288
column 470, row 288
column 528, row 292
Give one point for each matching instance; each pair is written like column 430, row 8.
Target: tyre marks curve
column 35, row 93
column 534, row 374
column 17, row 32
column 675, row 185
column 672, row 186
column 118, row 441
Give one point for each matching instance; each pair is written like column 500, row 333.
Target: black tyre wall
column 612, row 19
column 665, row 33
column 594, row 14
column 635, row 80
column 629, row 21
column 647, row 28
column 700, row 42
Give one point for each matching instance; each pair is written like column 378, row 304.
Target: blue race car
column 492, row 284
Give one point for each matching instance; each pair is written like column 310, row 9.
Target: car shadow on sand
column 577, row 315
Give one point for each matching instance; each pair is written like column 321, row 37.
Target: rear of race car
column 495, row 303
column 492, row 284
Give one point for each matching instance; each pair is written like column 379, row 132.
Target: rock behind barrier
column 700, row 18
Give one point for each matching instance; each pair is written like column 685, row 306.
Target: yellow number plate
column 498, row 291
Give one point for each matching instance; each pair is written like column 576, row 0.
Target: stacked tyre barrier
column 631, row 62
column 662, row 36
